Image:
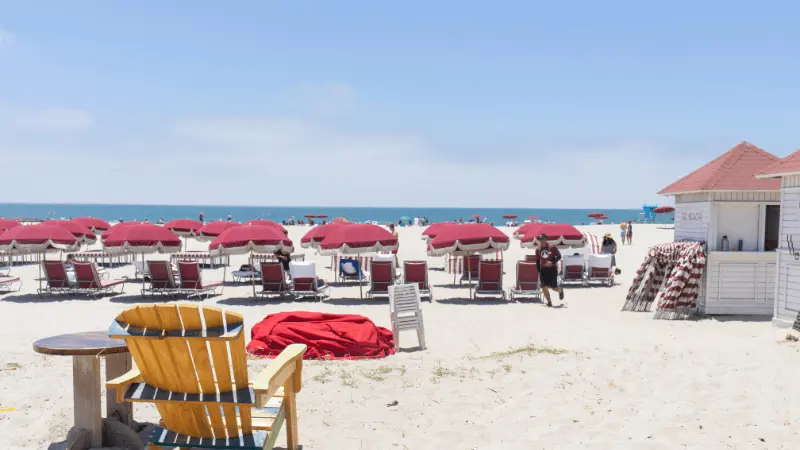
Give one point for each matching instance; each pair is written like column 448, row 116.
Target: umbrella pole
column 252, row 279
column 469, row 276
column 41, row 261
column 360, row 282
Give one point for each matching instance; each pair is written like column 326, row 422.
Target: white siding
column 692, row 221
column 790, row 181
column 787, row 303
column 790, row 218
column 692, row 198
column 740, row 283
column 745, row 196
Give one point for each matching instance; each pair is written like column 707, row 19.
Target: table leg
column 86, row 389
column 117, row 365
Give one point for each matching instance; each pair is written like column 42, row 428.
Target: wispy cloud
column 7, row 38
column 321, row 99
column 54, row 120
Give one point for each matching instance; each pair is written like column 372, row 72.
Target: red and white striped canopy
column 467, row 239
column 355, row 239
column 142, row 238
column 37, row 239
column 251, row 238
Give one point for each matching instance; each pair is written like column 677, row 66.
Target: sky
column 364, row 103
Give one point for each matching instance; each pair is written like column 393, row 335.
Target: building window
column 772, row 228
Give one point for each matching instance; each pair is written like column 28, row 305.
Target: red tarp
column 328, row 336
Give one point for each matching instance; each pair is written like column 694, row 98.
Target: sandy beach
column 495, row 375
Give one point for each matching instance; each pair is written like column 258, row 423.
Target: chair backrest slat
column 490, row 274
column 273, row 277
column 416, row 272
column 404, row 298
column 189, row 272
column 86, row 275
column 56, row 274
column 190, row 364
column 161, row 276
column 381, row 275
column 527, row 276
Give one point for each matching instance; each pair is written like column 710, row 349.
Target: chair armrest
column 289, row 363
column 121, row 383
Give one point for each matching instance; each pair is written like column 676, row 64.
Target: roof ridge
column 724, row 155
column 733, row 156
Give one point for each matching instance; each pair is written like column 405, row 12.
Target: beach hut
column 786, row 173
column 736, row 215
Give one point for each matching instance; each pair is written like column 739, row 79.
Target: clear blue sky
column 514, row 103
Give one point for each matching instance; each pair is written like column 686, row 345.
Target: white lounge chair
column 305, row 282
column 600, row 269
column 574, row 269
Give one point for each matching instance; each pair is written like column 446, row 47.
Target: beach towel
column 328, row 336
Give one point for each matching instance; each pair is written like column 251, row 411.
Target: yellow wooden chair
column 191, row 362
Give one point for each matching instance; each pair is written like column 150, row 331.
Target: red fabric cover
column 92, row 223
column 184, row 225
column 357, row 236
column 664, row 209
column 328, row 336
column 117, row 227
column 509, row 216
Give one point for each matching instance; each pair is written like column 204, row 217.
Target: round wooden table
column 86, row 350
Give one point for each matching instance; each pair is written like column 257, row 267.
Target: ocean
column 278, row 213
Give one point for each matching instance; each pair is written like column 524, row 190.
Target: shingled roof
column 733, row 171
column 786, row 166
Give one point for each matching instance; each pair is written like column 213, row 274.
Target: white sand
column 627, row 380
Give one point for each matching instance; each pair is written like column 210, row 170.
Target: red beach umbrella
column 509, row 216
column 184, row 227
column 7, row 224
column 79, row 231
column 118, row 226
column 212, row 230
column 523, row 230
column 92, row 223
column 603, row 217
column 476, row 216
column 310, row 216
column 251, row 238
column 267, row 223
column 467, row 239
column 595, row 215
column 142, row 238
column 533, row 218
column 435, row 228
column 38, row 239
column 322, row 216
column 318, row 233
column 664, row 209
column 355, row 239
column 559, row 234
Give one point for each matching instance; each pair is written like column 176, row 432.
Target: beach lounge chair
column 89, row 281
column 527, row 284
column 531, row 258
column 574, row 269
column 190, row 361
column 192, row 280
column 6, row 282
column 471, row 264
column 305, row 282
column 140, row 270
column 381, row 276
column 57, row 281
column 600, row 270
column 490, row 279
column 405, row 312
column 162, row 279
column 350, row 270
column 273, row 279
column 416, row 272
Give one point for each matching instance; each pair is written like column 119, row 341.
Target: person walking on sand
column 547, row 258
column 623, row 231
column 201, row 217
column 630, row 232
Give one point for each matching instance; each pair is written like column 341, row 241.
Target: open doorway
column 772, row 228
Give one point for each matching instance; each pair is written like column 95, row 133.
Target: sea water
column 154, row 213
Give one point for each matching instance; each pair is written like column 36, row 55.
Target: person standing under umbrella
column 547, row 258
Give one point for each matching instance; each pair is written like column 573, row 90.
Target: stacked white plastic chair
column 404, row 307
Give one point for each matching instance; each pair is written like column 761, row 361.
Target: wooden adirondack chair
column 204, row 398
